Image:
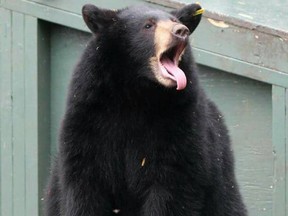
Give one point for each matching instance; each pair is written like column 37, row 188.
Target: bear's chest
column 138, row 152
column 139, row 147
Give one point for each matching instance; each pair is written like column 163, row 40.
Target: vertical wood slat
column 18, row 111
column 279, row 150
column 31, row 130
column 6, row 165
column 286, row 121
column 18, row 81
column 44, row 141
column 24, row 125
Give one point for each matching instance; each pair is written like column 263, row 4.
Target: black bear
column 139, row 136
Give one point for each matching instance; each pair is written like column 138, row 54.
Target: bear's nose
column 180, row 31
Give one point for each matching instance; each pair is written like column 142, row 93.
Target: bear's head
column 143, row 42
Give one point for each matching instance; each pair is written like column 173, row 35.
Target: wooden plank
column 241, row 68
column 75, row 6
column 62, row 12
column 247, row 108
column 243, row 13
column 31, row 121
column 66, row 47
column 286, row 121
column 243, row 44
column 50, row 14
column 279, row 151
column 43, row 101
column 6, row 165
column 18, row 120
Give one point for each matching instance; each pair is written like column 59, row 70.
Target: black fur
column 117, row 114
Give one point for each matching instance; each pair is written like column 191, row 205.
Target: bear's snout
column 180, row 31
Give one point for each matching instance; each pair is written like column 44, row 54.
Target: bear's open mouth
column 169, row 61
column 174, row 52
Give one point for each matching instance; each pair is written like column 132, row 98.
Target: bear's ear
column 189, row 15
column 97, row 19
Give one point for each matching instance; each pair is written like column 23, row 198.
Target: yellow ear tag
column 198, row 12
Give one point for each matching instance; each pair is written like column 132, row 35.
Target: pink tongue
column 175, row 73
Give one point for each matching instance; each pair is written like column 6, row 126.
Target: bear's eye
column 173, row 20
column 148, row 26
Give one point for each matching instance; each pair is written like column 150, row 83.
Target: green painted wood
column 23, row 153
column 76, row 5
column 247, row 108
column 215, row 10
column 255, row 47
column 66, row 47
column 50, row 14
column 43, row 86
column 18, row 113
column 6, row 181
column 240, row 68
column 0, row 131
column 31, row 117
column 272, row 14
column 286, row 125
column 0, row 121
column 279, row 151
column 62, row 12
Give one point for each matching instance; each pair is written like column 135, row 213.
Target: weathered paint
column 75, row 6
column 270, row 19
column 247, row 108
column 23, row 155
column 61, row 11
column 31, row 115
column 250, row 46
column 6, row 182
column 18, row 113
column 66, row 44
column 43, row 86
column 218, row 23
column 279, row 150
column 286, row 149
column 240, row 68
